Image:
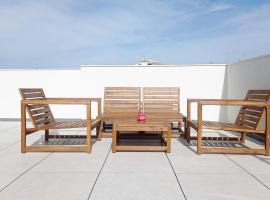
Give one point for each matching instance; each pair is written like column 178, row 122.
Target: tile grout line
column 176, row 177
column 92, row 189
column 252, row 175
column 9, row 145
column 22, row 174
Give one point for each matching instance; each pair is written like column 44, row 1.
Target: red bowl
column 141, row 117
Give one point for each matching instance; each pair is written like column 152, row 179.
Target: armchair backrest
column 39, row 114
column 251, row 116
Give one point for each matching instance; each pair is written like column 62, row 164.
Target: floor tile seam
column 210, row 173
column 177, row 179
column 66, row 172
column 138, row 172
column 197, row 156
column 248, row 172
column 25, row 172
column 9, row 145
column 98, row 175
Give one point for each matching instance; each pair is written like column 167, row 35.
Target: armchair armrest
column 232, row 102
column 68, row 101
column 75, row 101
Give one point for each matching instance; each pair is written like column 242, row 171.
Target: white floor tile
column 136, row 186
column 137, row 162
column 50, row 186
column 204, row 164
column 254, row 164
column 222, row 187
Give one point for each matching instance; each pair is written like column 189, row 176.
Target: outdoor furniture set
column 125, row 110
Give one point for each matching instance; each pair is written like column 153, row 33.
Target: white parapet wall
column 195, row 81
column 244, row 75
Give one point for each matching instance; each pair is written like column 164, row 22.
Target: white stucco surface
column 245, row 75
column 197, row 81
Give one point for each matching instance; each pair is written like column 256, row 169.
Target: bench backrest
column 39, row 114
column 162, row 102
column 122, row 100
column 251, row 116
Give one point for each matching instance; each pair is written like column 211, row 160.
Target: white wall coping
column 148, row 66
column 250, row 59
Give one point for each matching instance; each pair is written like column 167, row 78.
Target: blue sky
column 67, row 33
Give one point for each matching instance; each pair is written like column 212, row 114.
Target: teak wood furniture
column 163, row 103
column 158, row 103
column 249, row 118
column 37, row 106
column 146, row 126
column 120, row 103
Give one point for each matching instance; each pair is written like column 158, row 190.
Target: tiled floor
column 103, row 175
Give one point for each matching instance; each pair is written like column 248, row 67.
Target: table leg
column 169, row 139
column 114, row 138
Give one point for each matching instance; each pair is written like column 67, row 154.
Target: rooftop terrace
column 102, row 174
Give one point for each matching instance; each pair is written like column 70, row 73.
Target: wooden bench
column 248, row 121
column 161, row 103
column 37, row 106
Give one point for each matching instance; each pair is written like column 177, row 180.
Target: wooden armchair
column 248, row 120
column 37, row 106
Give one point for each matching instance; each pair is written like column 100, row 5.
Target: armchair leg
column 46, row 135
column 23, row 128
column 199, row 141
column 99, row 131
column 243, row 137
column 187, row 132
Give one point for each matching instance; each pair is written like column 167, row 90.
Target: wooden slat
column 161, row 93
column 121, row 92
column 166, row 89
column 36, row 106
column 216, row 138
column 118, row 110
column 122, row 88
column 172, row 101
column 232, row 150
column 33, row 96
column 54, row 148
column 250, row 118
column 121, row 101
column 41, row 116
column 122, row 105
column 225, row 126
column 160, row 97
column 161, row 106
column 121, row 97
column 257, row 96
column 259, row 92
column 160, row 110
column 31, row 90
column 250, row 112
column 39, row 111
column 253, row 108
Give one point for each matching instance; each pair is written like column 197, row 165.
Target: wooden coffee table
column 146, row 126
